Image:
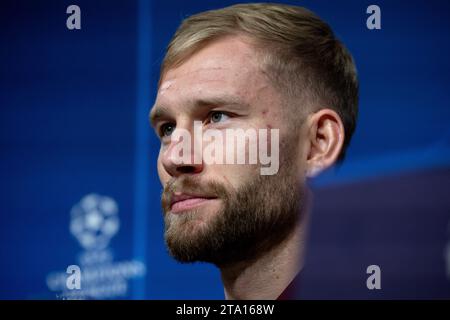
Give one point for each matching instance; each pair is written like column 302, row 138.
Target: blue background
column 73, row 120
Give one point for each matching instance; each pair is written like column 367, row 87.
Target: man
column 250, row 67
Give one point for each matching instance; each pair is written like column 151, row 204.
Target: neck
column 267, row 276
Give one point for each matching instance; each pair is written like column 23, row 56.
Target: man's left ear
column 326, row 138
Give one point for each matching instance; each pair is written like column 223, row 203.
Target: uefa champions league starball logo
column 94, row 221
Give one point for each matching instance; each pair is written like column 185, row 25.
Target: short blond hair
column 299, row 52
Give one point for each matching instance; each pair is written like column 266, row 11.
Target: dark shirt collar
column 292, row 290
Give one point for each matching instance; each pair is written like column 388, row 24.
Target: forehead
column 228, row 65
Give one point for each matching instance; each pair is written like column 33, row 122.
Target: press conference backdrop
column 78, row 181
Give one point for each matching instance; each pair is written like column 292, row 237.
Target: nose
column 183, row 154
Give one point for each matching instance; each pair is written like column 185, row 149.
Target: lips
column 182, row 202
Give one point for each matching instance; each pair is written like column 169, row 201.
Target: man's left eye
column 218, row 116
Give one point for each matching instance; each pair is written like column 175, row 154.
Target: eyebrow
column 159, row 112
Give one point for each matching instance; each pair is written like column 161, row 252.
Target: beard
column 252, row 219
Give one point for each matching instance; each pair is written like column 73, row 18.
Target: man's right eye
column 166, row 130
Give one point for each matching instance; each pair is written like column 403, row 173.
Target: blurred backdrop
column 78, row 182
